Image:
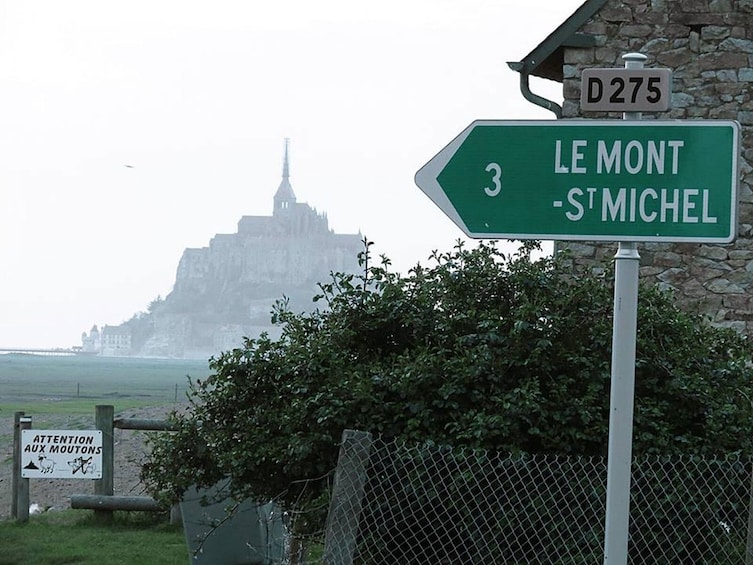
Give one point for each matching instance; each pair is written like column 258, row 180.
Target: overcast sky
column 132, row 130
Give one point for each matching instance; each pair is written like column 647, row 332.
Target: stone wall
column 708, row 44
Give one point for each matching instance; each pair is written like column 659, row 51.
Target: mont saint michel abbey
column 226, row 291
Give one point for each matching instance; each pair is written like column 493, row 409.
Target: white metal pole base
column 620, row 451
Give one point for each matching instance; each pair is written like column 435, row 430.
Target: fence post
column 103, row 421
column 21, row 490
column 749, row 537
column 16, row 476
column 347, row 498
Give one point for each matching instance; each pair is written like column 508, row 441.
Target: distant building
column 91, row 342
column 116, row 340
column 292, row 246
column 226, row 291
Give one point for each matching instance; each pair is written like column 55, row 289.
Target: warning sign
column 61, row 454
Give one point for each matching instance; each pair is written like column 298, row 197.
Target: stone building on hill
column 91, row 342
column 708, row 45
column 226, row 291
column 115, row 341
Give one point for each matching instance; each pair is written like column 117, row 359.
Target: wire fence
column 393, row 503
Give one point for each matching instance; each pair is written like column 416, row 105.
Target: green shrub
column 480, row 350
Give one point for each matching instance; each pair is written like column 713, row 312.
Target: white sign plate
column 61, row 454
column 626, row 90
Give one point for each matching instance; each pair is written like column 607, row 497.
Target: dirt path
column 50, row 494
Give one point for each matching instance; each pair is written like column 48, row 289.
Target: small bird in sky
column 128, row 166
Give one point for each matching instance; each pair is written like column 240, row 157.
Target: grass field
column 74, row 385
column 74, row 537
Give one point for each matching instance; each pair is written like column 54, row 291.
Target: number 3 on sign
column 496, row 171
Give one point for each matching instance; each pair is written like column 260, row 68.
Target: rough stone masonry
column 708, row 45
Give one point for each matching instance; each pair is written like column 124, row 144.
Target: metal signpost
column 622, row 385
column 598, row 180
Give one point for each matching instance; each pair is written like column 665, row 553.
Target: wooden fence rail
column 114, row 502
column 104, row 501
column 147, row 425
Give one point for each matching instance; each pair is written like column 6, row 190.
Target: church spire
column 285, row 164
column 285, row 197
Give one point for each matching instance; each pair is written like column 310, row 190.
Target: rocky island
column 226, row 291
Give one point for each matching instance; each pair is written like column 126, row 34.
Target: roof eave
column 547, row 59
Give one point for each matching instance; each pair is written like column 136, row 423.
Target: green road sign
column 596, row 180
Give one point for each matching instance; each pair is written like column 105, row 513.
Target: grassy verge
column 79, row 408
column 73, row 537
column 71, row 385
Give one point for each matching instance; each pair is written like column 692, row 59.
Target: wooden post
column 103, row 421
column 16, row 476
column 22, row 494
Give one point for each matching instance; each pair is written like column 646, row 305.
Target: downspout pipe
column 525, row 89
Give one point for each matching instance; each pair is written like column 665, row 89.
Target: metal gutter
column 547, row 59
column 525, row 89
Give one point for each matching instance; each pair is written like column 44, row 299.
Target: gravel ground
column 52, row 494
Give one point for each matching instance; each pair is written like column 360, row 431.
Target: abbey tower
column 225, row 291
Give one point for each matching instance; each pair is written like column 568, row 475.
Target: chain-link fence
column 432, row 505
